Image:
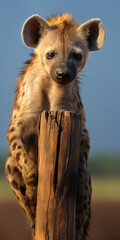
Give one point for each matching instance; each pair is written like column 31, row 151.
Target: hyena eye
column 50, row 55
column 77, row 56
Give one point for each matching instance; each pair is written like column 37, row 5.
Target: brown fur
column 62, row 21
column 40, row 88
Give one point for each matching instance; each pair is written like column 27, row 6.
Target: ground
column 105, row 223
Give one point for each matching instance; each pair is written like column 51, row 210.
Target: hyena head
column 61, row 45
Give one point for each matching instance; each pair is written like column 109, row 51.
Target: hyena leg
column 15, row 178
column 83, row 199
column 26, row 165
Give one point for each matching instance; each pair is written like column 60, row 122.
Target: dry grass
column 106, row 188
column 102, row 189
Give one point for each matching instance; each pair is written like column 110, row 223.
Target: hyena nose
column 63, row 73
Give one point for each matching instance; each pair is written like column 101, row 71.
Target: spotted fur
column 39, row 88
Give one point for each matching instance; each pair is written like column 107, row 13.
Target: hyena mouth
column 63, row 73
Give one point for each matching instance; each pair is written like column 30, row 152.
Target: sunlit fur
column 36, row 91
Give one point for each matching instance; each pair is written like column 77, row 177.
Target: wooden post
column 59, row 151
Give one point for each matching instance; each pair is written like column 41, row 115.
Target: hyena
column 49, row 82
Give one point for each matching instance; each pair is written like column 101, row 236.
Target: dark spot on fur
column 11, row 129
column 81, row 160
column 81, row 175
column 16, row 170
column 9, row 169
column 12, row 139
column 85, row 206
column 19, row 147
column 14, row 116
column 14, row 146
column 86, row 187
column 23, row 94
column 14, row 184
column 82, row 143
column 33, row 226
column 18, row 107
column 85, row 197
column 86, row 155
column 23, row 190
column 18, row 155
column 25, row 161
column 32, row 183
column 78, row 105
column 89, row 203
column 82, row 169
column 19, row 175
column 27, row 203
column 32, row 176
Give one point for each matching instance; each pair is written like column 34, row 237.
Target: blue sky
column 100, row 81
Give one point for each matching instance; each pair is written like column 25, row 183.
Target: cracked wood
column 59, row 151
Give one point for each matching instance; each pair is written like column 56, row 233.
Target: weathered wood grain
column 59, row 151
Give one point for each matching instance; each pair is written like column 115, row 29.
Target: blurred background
column 100, row 91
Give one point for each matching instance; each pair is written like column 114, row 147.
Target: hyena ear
column 33, row 28
column 94, row 32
